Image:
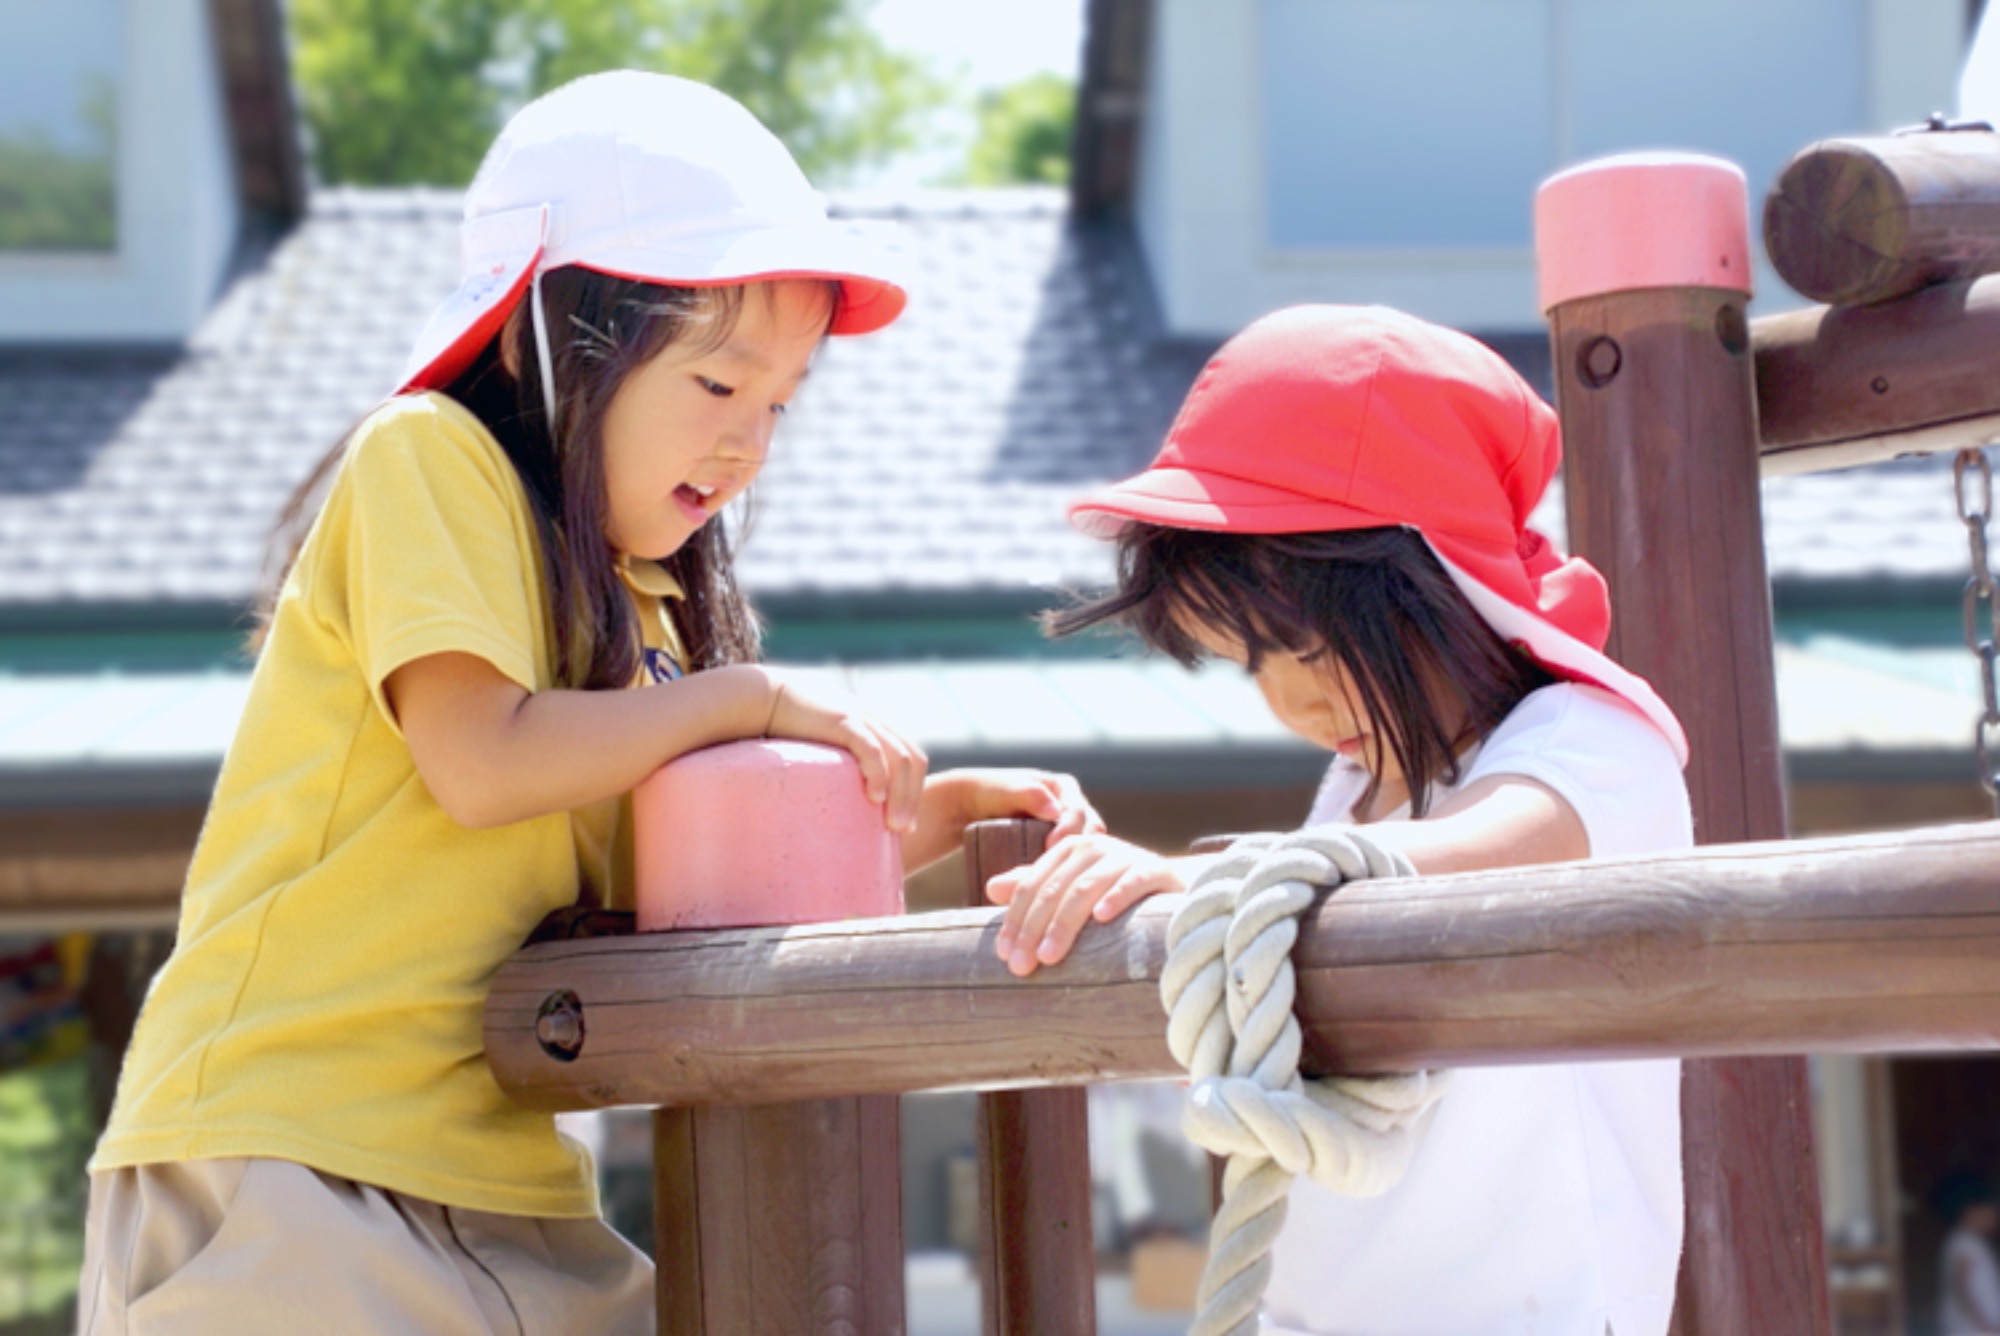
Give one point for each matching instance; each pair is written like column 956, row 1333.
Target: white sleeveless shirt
column 1546, row 1200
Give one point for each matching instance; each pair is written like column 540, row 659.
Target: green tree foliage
column 1024, row 133
column 57, row 198
column 412, row 91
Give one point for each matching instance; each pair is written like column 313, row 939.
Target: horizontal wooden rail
column 1866, row 944
column 1845, row 385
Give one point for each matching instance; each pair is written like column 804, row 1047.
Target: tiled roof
column 934, row 456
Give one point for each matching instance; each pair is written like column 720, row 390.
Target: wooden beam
column 1846, row 385
column 781, row 1218
column 1037, row 1254
column 1861, row 944
column 1866, row 219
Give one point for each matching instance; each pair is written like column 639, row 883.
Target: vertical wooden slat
column 1885, row 1182
column 1654, row 389
column 1037, row 1260
column 779, row 1218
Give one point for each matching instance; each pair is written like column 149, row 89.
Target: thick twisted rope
column 1228, row 988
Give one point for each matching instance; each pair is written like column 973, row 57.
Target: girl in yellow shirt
column 438, row 734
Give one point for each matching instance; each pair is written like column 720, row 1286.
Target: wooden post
column 1645, row 272
column 782, row 1217
column 779, row 1218
column 1037, row 1258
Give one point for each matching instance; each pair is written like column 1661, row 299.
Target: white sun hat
column 641, row 176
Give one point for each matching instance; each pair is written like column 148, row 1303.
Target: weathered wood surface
column 1873, row 944
column 1661, row 472
column 1037, row 1256
column 1838, row 386
column 780, row 1218
column 1866, row 219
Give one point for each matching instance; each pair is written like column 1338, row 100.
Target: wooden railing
column 757, row 1041
column 1866, row 944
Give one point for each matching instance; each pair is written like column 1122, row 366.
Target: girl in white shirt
column 1968, row 1275
column 1341, row 508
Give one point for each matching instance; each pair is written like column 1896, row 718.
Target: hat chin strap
column 543, row 360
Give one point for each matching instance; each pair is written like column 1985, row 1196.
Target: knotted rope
column 1228, row 988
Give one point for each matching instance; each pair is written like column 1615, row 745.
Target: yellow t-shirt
column 339, row 932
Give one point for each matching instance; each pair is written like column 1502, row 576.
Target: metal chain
column 1981, row 605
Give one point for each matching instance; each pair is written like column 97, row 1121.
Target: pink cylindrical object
column 758, row 833
column 1642, row 220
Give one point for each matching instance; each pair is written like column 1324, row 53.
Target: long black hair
column 1375, row 601
column 601, row 329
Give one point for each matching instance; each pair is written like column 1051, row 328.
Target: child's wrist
column 950, row 797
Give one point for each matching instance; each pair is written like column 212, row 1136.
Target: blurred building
column 195, row 325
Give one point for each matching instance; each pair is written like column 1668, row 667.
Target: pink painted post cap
column 1642, row 220
column 757, row 833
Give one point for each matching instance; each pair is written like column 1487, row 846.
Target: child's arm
column 492, row 752
column 1499, row 821
column 955, row 799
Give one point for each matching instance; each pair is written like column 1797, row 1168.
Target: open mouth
column 695, row 500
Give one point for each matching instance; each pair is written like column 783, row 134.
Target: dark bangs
column 1375, row 601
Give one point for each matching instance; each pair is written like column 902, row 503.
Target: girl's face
column 688, row 431
column 1313, row 696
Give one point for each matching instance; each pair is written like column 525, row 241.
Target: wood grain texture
column 1661, row 482
column 1832, row 379
column 1855, row 944
column 1037, row 1260
column 1866, row 219
column 783, row 1217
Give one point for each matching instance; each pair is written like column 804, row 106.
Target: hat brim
column 1183, row 499
column 473, row 314
column 871, row 295
column 466, row 322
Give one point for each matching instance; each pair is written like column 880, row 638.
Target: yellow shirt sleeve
column 438, row 553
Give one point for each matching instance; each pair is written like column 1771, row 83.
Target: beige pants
column 219, row 1247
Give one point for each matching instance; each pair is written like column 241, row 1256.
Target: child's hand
column 892, row 768
column 1092, row 876
column 955, row 799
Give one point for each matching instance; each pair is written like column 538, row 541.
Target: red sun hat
column 1321, row 418
column 641, row 176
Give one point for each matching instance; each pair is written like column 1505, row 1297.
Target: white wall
column 1417, row 105
column 177, row 201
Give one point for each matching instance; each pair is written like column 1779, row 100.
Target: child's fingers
column 1075, row 814
column 869, row 753
column 1072, row 911
column 1053, row 902
column 1070, row 822
column 906, row 765
column 1000, row 888
column 1013, row 944
column 1134, row 885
